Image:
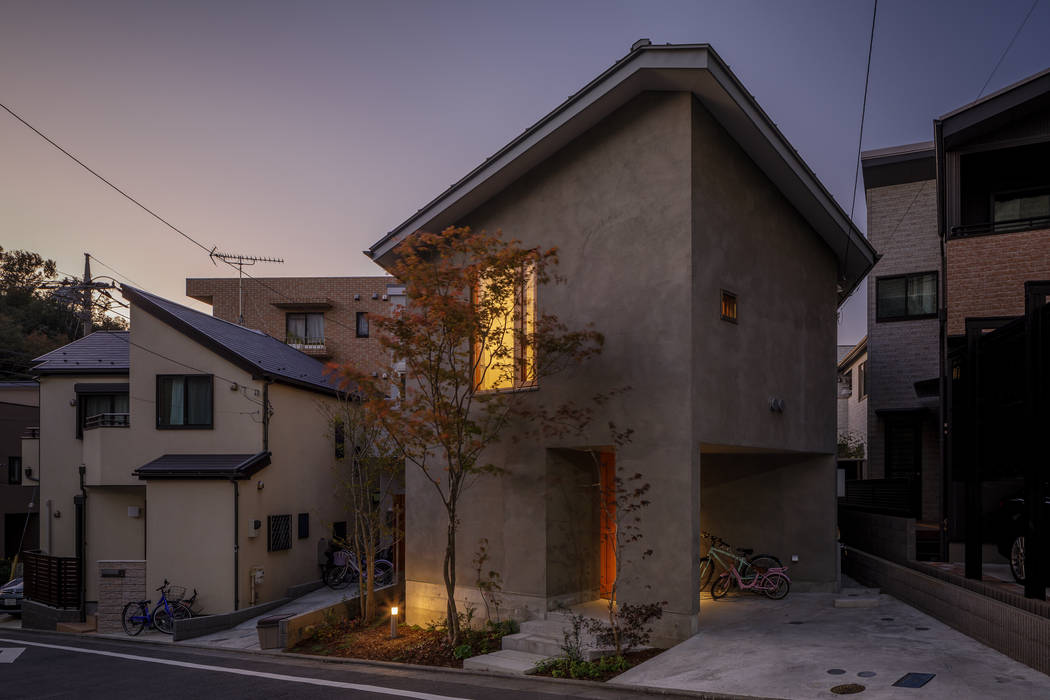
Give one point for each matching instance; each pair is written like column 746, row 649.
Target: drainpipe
column 944, row 412
column 80, row 505
column 266, row 414
column 236, row 543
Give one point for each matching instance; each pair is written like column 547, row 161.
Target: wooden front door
column 607, row 547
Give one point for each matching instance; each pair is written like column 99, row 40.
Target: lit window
column 904, row 297
column 728, row 312
column 503, row 361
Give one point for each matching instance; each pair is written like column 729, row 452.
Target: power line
column 1008, row 47
column 116, row 272
column 152, row 213
column 860, row 136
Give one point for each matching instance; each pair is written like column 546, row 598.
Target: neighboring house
column 325, row 317
column 197, row 445
column 853, row 411
column 696, row 239
column 19, row 418
column 963, row 226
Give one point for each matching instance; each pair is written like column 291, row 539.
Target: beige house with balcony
column 190, row 442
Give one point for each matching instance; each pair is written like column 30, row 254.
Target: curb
column 393, row 665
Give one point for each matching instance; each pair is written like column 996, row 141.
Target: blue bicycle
column 136, row 615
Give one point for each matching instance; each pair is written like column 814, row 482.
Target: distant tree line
column 34, row 318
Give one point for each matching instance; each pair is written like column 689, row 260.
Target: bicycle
column 163, row 616
column 188, row 603
column 774, row 583
column 748, row 568
column 345, row 569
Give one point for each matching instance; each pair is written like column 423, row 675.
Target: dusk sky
column 307, row 130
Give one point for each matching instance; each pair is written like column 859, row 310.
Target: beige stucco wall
column 654, row 211
column 61, row 454
column 190, row 533
column 23, row 395
column 110, row 532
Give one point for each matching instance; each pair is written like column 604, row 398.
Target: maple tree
column 471, row 348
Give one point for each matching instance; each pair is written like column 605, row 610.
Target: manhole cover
column 847, row 689
column 914, row 680
column 866, row 674
column 836, row 671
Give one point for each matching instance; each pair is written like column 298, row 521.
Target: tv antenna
column 240, row 262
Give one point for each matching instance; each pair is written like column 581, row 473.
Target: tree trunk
column 452, row 614
column 369, row 597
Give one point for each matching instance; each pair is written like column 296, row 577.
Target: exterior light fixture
column 393, row 622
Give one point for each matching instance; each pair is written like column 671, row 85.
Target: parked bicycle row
column 741, row 567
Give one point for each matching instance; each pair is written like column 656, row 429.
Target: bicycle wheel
column 384, row 573
column 133, row 618
column 162, row 619
column 721, row 586
column 1017, row 559
column 776, row 586
column 758, row 564
column 336, row 577
column 707, row 569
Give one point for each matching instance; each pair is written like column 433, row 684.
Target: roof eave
column 677, row 68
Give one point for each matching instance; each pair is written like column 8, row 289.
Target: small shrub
column 633, row 623
column 562, row 667
column 463, row 651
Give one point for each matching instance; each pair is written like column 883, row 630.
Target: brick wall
column 260, row 312
column 114, row 592
column 986, row 274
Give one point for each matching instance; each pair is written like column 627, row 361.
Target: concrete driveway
column 802, row 646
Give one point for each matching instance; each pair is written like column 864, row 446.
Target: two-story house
column 19, row 416
column 694, row 237
column 852, row 394
column 328, row 318
column 195, row 444
column 963, row 226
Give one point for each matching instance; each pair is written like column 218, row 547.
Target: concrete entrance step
column 89, row 625
column 546, row 637
column 506, row 661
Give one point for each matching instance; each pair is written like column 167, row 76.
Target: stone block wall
column 115, row 591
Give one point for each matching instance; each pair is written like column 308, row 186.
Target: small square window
column 304, row 526
column 14, row 470
column 362, row 324
column 278, row 533
column 728, row 312
column 862, row 381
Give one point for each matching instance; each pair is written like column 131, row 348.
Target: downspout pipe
column 80, row 506
column 943, row 410
column 236, row 544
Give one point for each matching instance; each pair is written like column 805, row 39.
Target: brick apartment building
column 963, row 226
column 325, row 317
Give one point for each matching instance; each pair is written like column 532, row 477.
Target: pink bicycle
column 772, row 582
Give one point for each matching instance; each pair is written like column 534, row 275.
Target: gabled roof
column 851, row 356
column 251, row 350
column 102, row 352
column 988, row 112
column 203, row 466
column 694, row 68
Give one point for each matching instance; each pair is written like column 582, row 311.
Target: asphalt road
column 65, row 666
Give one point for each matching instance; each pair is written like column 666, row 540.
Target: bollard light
column 393, row 622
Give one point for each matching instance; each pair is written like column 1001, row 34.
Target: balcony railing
column 311, row 346
column 108, row 420
column 1034, row 223
column 31, row 433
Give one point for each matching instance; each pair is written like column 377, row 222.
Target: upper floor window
column 905, row 297
column 1017, row 211
column 728, row 312
column 504, row 356
column 862, row 381
column 184, row 401
column 305, row 328
column 362, row 324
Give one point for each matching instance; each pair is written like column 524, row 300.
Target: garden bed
column 413, row 645
column 600, row 670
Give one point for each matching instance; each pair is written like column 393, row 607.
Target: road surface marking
column 243, row 672
column 9, row 654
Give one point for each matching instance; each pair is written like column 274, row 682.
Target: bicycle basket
column 175, row 592
column 339, row 558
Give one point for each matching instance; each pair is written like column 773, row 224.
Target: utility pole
column 88, row 300
column 240, row 261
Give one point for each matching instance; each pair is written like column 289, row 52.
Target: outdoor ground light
column 393, row 622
